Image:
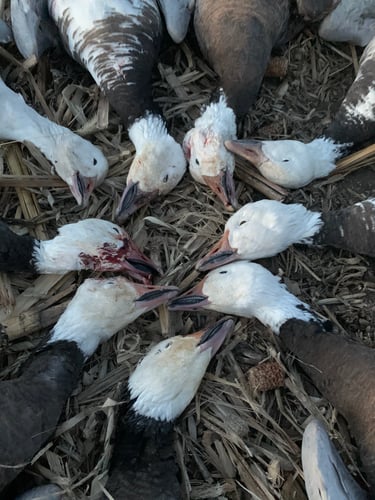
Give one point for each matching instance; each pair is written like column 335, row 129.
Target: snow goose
column 236, row 37
column 267, row 227
column 162, row 385
column 31, row 404
column 78, row 162
column 88, row 244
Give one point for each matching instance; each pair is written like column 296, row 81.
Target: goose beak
column 191, row 300
column 132, row 198
column 220, row 254
column 251, row 150
column 223, row 186
column 150, row 296
column 81, row 188
column 213, row 336
column 136, row 263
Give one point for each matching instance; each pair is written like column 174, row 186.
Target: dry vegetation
column 231, row 442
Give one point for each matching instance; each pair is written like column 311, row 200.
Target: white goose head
column 167, row 378
column 244, row 289
column 157, row 168
column 288, row 163
column 94, row 244
column 102, row 307
column 78, row 162
column 261, row 229
column 210, row 163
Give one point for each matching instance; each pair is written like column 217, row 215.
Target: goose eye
column 197, row 161
column 165, row 179
column 284, row 161
column 95, row 161
column 115, row 229
column 223, row 272
column 242, row 222
column 164, row 348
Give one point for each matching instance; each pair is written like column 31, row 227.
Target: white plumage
column 245, row 289
column 78, row 162
column 266, row 228
column 100, row 308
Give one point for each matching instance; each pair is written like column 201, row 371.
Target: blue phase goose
column 31, row 404
column 118, row 42
column 236, row 37
column 342, row 370
column 266, row 228
column 78, row 162
column 143, row 463
column 294, row 164
column 88, row 244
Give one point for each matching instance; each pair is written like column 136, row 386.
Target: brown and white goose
column 341, row 369
column 294, row 164
column 236, row 37
column 118, row 42
column 31, row 404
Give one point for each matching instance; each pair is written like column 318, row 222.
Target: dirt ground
column 231, row 443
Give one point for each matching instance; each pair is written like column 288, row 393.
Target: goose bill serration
column 236, row 38
column 267, row 227
column 78, row 162
column 163, row 384
column 31, row 403
column 94, row 244
column 118, row 42
column 294, row 164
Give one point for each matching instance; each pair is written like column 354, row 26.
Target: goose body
column 88, row 244
column 31, row 404
column 325, row 473
column 162, row 385
column 118, row 42
column 236, row 37
column 78, row 162
column 46, row 492
column 33, row 29
column 245, row 289
column 177, row 15
column 294, row 164
column 343, row 371
column 267, row 227
column 315, row 10
column 350, row 21
column 6, row 35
